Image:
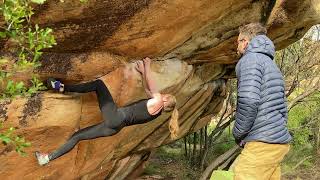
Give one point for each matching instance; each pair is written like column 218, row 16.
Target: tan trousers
column 259, row 161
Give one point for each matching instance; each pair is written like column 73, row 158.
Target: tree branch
column 305, row 94
column 219, row 161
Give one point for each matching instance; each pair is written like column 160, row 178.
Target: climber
column 114, row 118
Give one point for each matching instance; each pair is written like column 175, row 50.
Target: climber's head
column 247, row 33
column 169, row 102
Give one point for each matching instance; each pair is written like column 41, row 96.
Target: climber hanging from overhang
column 114, row 118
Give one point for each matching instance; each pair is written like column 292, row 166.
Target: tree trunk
column 185, row 147
column 219, row 161
column 205, row 149
column 200, row 143
column 194, row 154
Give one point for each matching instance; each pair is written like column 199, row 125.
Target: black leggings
column 114, row 118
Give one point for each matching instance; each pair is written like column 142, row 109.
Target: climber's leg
column 91, row 132
column 103, row 94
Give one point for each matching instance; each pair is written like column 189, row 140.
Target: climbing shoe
column 42, row 158
column 55, row 84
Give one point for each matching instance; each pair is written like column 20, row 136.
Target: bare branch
column 293, row 86
column 298, row 164
column 219, row 161
column 305, row 94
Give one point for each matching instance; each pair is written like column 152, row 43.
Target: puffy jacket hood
column 261, row 44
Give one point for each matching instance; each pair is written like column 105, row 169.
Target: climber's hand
column 240, row 143
column 147, row 62
column 140, row 66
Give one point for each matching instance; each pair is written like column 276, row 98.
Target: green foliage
column 168, row 162
column 152, row 169
column 9, row 137
column 302, row 118
column 28, row 39
column 14, row 89
column 38, row 1
column 170, row 152
column 302, row 121
column 222, row 145
column 28, row 42
column 37, row 85
column 297, row 120
column 225, row 143
column 4, row 76
column 297, row 154
column 20, row 144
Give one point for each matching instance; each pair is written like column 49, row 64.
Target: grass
column 169, row 163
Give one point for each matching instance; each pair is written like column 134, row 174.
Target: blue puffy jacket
column 261, row 108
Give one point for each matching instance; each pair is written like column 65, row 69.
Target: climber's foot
column 55, row 84
column 42, row 158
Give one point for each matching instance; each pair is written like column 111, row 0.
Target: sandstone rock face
column 192, row 46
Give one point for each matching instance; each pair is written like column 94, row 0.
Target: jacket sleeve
column 248, row 98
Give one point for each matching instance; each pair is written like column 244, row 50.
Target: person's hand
column 240, row 143
column 147, row 62
column 140, row 66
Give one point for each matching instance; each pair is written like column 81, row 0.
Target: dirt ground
column 310, row 173
column 163, row 168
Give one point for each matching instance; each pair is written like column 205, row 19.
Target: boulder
column 191, row 44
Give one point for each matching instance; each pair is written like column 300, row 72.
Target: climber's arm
column 144, row 68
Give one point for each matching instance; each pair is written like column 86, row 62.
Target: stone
column 191, row 44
